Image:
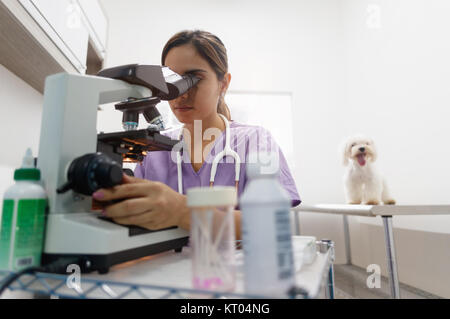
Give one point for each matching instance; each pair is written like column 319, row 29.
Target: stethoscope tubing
column 227, row 151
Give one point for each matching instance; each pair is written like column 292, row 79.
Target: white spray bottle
column 266, row 229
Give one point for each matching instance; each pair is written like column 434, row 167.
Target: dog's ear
column 374, row 150
column 345, row 152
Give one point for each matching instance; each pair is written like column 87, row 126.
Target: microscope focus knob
column 91, row 172
column 108, row 174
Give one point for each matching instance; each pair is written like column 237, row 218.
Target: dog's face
column 359, row 149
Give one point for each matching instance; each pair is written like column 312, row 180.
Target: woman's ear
column 225, row 83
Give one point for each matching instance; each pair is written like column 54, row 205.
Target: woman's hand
column 152, row 205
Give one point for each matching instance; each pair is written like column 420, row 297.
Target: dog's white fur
column 363, row 183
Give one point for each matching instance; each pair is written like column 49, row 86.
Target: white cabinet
column 43, row 37
column 62, row 22
column 70, row 24
column 96, row 23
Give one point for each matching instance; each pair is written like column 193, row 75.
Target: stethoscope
column 227, row 151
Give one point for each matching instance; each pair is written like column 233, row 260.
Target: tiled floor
column 350, row 283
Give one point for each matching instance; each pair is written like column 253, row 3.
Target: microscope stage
column 134, row 145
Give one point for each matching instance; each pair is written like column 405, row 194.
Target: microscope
column 75, row 161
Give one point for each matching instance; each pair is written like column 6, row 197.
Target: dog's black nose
column 362, row 149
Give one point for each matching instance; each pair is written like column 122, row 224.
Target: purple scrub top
column 245, row 139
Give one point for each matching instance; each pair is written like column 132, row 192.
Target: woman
column 151, row 199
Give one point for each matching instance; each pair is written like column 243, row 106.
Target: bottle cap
column 211, row 196
column 27, row 171
column 263, row 164
column 27, row 174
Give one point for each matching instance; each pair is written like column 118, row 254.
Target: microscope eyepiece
column 177, row 85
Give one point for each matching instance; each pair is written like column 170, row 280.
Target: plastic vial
column 212, row 237
column 266, row 230
column 23, row 219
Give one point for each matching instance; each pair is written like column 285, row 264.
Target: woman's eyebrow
column 194, row 71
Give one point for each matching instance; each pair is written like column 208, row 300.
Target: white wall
column 397, row 89
column 397, row 80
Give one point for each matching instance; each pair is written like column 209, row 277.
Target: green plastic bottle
column 23, row 219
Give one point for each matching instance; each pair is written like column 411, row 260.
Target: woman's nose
column 182, row 97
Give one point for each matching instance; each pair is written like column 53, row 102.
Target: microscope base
column 102, row 263
column 98, row 243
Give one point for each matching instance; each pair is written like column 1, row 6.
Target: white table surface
column 174, row 270
column 375, row 210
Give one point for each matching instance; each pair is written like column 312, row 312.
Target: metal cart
column 167, row 275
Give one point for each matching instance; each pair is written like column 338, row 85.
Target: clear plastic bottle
column 212, row 237
column 266, row 230
column 23, row 219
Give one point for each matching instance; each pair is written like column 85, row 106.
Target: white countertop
column 375, row 210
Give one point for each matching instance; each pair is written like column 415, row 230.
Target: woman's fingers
column 128, row 190
column 148, row 219
column 148, row 204
column 131, row 179
column 153, row 225
column 128, row 208
column 141, row 219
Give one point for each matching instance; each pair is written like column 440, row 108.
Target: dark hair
column 211, row 48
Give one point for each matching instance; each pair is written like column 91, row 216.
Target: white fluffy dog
column 363, row 183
